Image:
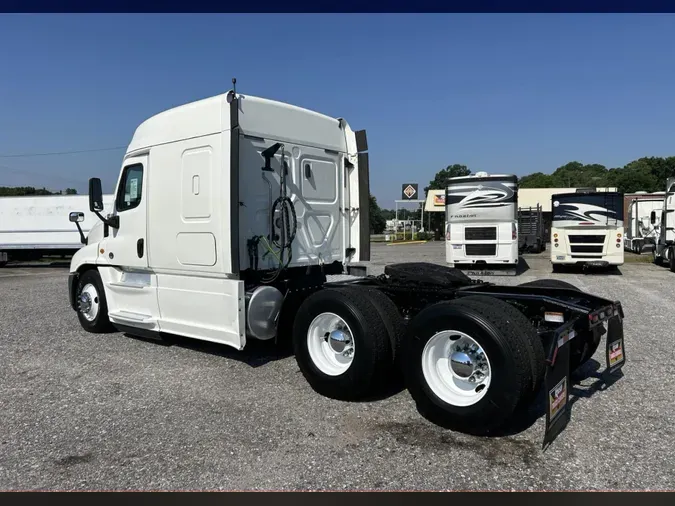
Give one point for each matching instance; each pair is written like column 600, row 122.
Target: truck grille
column 480, row 233
column 586, row 239
column 480, row 249
column 586, row 249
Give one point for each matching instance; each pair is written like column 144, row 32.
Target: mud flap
column 615, row 353
column 558, row 409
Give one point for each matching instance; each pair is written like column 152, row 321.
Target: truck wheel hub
column 330, row 344
column 461, row 364
column 338, row 340
column 456, row 368
column 88, row 303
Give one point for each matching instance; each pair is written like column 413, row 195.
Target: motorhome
column 238, row 218
column 481, row 219
column 35, row 226
column 640, row 231
column 664, row 250
column 587, row 229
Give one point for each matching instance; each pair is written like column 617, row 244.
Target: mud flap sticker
column 557, row 399
column 558, row 408
column 616, row 354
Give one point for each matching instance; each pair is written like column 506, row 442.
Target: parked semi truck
column 587, row 229
column 640, row 231
column 664, row 250
column 481, row 220
column 34, row 226
column 239, row 218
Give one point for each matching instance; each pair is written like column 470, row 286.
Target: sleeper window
column 131, row 188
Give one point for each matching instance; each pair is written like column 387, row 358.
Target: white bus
column 587, row 229
column 482, row 220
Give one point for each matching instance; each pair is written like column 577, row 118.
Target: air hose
column 288, row 226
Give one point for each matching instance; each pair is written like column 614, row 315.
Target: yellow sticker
column 615, row 353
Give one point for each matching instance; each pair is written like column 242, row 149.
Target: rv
column 481, row 219
column 587, row 229
column 664, row 250
column 640, row 230
column 35, row 226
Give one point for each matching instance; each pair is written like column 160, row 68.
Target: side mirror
column 95, row 195
column 652, row 217
column 76, row 217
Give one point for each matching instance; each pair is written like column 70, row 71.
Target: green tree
column 436, row 221
column 18, row 191
column 537, row 180
column 440, row 181
column 377, row 221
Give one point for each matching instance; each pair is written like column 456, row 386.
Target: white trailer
column 587, row 229
column 640, row 230
column 34, row 226
column 230, row 214
column 664, row 250
column 481, row 220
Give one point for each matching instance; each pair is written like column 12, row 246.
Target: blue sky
column 501, row 93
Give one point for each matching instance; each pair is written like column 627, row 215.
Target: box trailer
column 239, row 218
column 531, row 230
column 34, row 226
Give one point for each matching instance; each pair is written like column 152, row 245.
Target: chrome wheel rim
column 330, row 343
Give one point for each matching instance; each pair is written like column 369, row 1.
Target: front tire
column 656, row 259
column 91, row 303
column 341, row 344
column 448, row 344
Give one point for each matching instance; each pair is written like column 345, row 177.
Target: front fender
column 82, row 259
column 85, row 255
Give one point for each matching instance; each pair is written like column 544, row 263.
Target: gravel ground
column 81, row 411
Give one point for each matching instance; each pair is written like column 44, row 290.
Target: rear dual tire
column 491, row 338
column 345, row 341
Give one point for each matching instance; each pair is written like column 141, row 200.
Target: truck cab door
column 131, row 286
column 125, row 245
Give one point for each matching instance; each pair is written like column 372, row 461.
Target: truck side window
column 131, row 188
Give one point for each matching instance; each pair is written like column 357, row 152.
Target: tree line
column 647, row 174
column 20, row 191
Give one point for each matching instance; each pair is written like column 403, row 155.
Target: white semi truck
column 34, row 226
column 640, row 231
column 587, row 229
column 481, row 219
column 664, row 250
column 236, row 218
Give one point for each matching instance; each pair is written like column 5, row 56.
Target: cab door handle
column 139, row 248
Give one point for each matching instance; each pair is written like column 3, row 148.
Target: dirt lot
column 81, row 411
